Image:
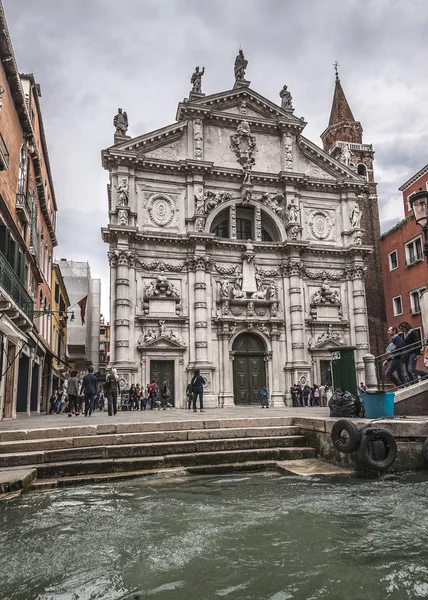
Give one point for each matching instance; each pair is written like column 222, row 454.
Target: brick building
column 403, row 264
column 343, row 140
column 27, row 238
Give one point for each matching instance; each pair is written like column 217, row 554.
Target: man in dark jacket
column 198, row 383
column 411, row 351
column 89, row 387
column 394, row 359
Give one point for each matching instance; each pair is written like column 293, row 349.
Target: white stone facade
column 186, row 283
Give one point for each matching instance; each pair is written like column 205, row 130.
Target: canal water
column 257, row 537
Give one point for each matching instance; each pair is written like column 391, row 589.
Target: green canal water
column 256, row 537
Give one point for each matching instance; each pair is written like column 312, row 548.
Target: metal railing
column 383, row 361
column 13, row 286
column 351, row 146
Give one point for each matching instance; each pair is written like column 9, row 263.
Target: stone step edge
column 142, row 427
column 193, row 443
column 242, row 467
column 293, row 430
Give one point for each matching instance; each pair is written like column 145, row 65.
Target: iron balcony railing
column 23, row 205
column 381, row 363
column 10, row 282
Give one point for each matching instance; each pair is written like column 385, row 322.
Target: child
column 264, row 397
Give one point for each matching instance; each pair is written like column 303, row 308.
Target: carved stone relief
column 198, row 139
column 288, row 152
column 243, row 144
column 161, row 209
column 320, row 224
column 167, row 152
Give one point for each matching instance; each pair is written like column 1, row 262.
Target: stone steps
column 43, row 444
column 191, row 462
column 148, row 450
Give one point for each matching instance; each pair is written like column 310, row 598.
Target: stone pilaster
column 201, row 314
column 232, row 222
column 276, row 395
column 226, row 394
column 360, row 314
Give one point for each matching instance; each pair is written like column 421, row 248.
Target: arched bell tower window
column 362, row 170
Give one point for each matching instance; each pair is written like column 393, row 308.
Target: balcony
column 11, row 284
column 23, row 207
column 354, row 147
column 4, row 155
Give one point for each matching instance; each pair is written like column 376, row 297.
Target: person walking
column 394, row 362
column 73, row 393
column 166, row 395
column 305, row 394
column 323, row 395
column 189, row 395
column 315, row 398
column 111, row 388
column 89, row 386
column 411, row 351
column 198, row 383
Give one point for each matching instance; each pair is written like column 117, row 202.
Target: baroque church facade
column 238, row 246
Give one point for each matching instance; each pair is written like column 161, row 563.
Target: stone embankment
column 49, row 457
column 71, row 455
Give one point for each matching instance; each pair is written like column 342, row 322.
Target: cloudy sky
column 92, row 56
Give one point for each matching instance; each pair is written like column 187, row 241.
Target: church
column 239, row 247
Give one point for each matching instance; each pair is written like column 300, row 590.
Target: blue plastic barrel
column 378, row 404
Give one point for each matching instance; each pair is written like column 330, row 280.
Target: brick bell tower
column 343, row 140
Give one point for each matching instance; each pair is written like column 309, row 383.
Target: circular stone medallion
column 161, row 210
column 320, row 224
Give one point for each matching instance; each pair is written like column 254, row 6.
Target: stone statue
column 335, row 298
column 260, row 294
column 243, row 108
column 173, row 290
column 121, row 122
column 292, row 211
column 196, row 80
column 150, row 335
column 249, row 246
column 172, row 336
column 259, row 278
column 286, row 99
column 122, row 193
column 355, row 217
column 151, row 289
column 345, row 156
column 317, row 299
column 199, row 202
column 240, row 66
column 162, row 328
column 273, row 294
column 224, row 287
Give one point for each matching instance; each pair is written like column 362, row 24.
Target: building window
column 266, row 236
column 415, row 307
column 397, row 306
column 393, row 260
column 243, row 229
column 56, row 293
column 361, row 170
column 222, row 230
column 414, row 252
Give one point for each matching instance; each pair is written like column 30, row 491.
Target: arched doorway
column 249, row 370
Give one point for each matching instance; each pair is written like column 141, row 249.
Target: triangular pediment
column 160, row 143
column 317, row 164
column 162, row 342
column 230, row 102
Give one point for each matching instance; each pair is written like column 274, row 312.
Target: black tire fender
column 354, row 436
column 365, row 458
column 425, row 450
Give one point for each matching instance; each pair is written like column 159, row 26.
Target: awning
column 8, row 327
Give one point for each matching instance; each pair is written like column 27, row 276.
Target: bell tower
column 343, row 140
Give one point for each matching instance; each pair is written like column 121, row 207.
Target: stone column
column 122, row 308
column 296, row 312
column 360, row 315
column 201, row 312
column 112, row 258
column 277, row 397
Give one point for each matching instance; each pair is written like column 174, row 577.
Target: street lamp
column 61, row 313
column 419, row 203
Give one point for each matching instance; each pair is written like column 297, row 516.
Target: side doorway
column 163, row 370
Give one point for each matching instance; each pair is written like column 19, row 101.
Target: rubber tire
column 354, row 436
column 425, row 450
column 369, row 435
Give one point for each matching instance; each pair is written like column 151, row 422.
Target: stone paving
column 154, row 416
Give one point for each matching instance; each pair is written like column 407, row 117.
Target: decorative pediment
column 329, row 337
column 163, row 342
column 231, row 102
column 320, row 165
column 156, row 143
